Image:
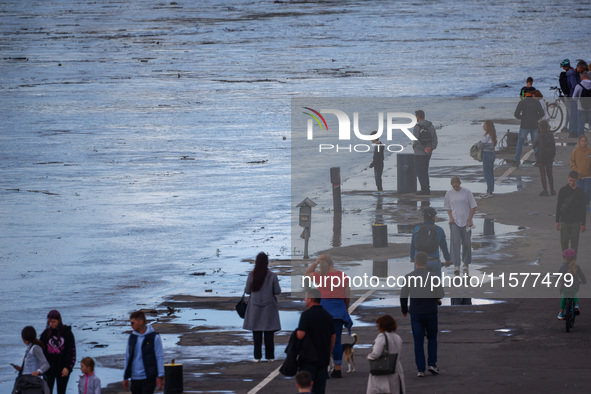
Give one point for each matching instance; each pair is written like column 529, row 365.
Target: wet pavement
column 491, row 344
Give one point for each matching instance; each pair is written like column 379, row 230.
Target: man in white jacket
column 581, row 95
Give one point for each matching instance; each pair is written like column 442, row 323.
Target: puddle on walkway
column 223, row 320
column 509, row 332
column 395, row 302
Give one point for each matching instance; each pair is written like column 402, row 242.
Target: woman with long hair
column 60, row 351
column 393, row 383
column 335, row 300
column 546, row 147
column 262, row 312
column 488, row 144
column 34, row 364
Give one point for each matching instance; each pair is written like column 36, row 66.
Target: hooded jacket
column 60, row 348
column 579, row 90
column 580, row 161
column 144, row 357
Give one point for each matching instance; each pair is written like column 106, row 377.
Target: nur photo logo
column 394, row 121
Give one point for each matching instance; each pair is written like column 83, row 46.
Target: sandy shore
column 516, row 345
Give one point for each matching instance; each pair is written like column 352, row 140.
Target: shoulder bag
column 385, row 364
column 241, row 306
column 475, row 152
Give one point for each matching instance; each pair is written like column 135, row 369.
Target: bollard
column 406, row 178
column 173, row 378
column 489, row 227
column 379, row 234
column 380, row 268
column 335, row 179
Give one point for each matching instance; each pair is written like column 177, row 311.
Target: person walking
column 570, row 213
column 529, row 111
column 316, row 328
column 334, row 287
column 488, row 144
column 60, row 351
column 460, row 206
column 144, row 357
column 378, row 163
column 423, row 314
column 580, row 161
column 546, row 146
column 429, row 238
column 582, row 95
column 393, row 383
column 423, row 148
column 262, row 312
column 34, row 364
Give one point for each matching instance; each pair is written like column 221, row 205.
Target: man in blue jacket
column 423, row 313
column 424, row 241
column 144, row 358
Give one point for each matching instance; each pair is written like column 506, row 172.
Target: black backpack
column 427, row 239
column 563, row 81
column 586, row 98
column 425, row 137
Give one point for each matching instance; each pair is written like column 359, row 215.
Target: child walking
column 89, row 383
column 570, row 267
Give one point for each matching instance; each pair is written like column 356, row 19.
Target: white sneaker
column 257, row 360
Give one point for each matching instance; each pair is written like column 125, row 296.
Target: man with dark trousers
column 529, row 111
column 316, row 324
column 423, row 147
column 423, row 313
column 144, row 358
column 571, row 215
column 378, row 163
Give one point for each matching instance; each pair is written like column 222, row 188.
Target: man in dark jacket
column 426, row 143
column 378, row 163
column 570, row 213
column 530, row 111
column 317, row 325
column 144, row 358
column 439, row 242
column 423, row 313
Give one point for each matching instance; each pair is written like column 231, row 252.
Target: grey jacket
column 93, row 386
column 418, row 147
column 262, row 312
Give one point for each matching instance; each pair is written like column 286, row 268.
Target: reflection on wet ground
column 395, row 302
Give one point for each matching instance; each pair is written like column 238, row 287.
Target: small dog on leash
column 348, row 355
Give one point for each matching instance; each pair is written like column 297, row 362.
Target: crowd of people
column 50, row 360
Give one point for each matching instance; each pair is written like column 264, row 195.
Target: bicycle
column 554, row 109
column 569, row 314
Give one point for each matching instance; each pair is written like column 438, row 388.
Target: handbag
column 476, row 152
column 385, row 364
column 241, row 306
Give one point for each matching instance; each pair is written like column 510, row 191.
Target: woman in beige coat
column 394, row 383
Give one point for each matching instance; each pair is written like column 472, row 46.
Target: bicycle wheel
column 568, row 313
column 555, row 116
